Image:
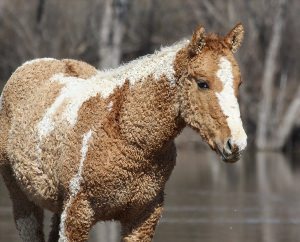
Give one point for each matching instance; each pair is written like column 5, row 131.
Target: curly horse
column 94, row 145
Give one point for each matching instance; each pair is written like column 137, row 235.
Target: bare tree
column 268, row 79
column 272, row 130
column 111, row 32
column 40, row 10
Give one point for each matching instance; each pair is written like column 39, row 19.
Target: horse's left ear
column 235, row 37
column 197, row 41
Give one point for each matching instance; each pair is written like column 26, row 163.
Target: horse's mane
column 157, row 64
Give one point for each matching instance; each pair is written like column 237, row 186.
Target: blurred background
column 257, row 199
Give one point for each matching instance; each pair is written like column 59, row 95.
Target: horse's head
column 209, row 90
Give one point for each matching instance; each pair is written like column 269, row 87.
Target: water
column 256, row 199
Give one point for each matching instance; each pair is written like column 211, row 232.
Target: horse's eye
column 202, row 84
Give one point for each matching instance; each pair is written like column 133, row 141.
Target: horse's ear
column 197, row 42
column 235, row 37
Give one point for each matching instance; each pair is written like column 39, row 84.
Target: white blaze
column 229, row 104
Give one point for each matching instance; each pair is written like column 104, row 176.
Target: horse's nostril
column 229, row 145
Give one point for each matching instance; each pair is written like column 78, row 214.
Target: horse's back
column 33, row 78
column 27, row 96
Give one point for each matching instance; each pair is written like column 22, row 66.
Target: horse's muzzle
column 228, row 152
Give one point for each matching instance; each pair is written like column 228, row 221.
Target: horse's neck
column 150, row 115
column 161, row 63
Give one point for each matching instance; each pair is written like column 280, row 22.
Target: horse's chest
column 147, row 185
column 120, row 182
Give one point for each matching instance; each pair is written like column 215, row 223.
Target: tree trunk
column 111, row 33
column 264, row 117
column 288, row 122
column 40, row 11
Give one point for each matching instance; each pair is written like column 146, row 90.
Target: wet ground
column 257, row 199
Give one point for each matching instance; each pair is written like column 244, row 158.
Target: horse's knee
column 142, row 227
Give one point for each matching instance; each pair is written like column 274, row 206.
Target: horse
column 95, row 145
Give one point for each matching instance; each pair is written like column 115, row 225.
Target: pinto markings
column 77, row 90
column 73, row 94
column 159, row 64
column 109, row 106
column 74, row 185
column 229, row 103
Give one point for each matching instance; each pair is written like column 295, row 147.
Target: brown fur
column 131, row 152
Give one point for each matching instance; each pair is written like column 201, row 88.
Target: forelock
column 216, row 43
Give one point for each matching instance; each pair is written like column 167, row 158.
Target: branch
column 196, row 10
column 268, row 78
column 288, row 121
column 215, row 13
column 111, row 33
column 40, row 11
column 280, row 101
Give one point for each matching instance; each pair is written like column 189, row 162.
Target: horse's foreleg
column 142, row 228
column 76, row 219
column 28, row 216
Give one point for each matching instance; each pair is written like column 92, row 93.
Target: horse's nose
column 229, row 151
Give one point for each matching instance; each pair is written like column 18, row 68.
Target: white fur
column 74, row 185
column 76, row 180
column 110, row 105
column 158, row 64
column 74, row 93
column 229, row 104
column 63, row 217
column 76, row 90
column 27, row 228
column 37, row 60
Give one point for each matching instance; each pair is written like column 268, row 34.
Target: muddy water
column 257, row 199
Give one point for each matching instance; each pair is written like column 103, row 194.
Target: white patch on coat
column 74, row 93
column 158, row 64
column 76, row 90
column 74, row 185
column 76, row 180
column 27, row 228
column 229, row 104
column 63, row 218
column 37, row 60
column 110, row 105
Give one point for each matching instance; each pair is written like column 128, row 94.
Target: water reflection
column 256, row 199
